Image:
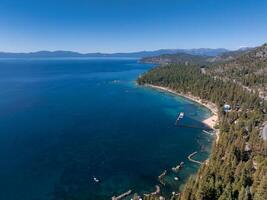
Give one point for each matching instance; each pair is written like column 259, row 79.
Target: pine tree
column 261, row 192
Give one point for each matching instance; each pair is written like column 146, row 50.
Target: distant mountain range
column 140, row 54
column 196, row 57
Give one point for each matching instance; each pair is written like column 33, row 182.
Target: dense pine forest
column 237, row 167
column 248, row 69
column 177, row 58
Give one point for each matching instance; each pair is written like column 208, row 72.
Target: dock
column 193, row 126
column 122, row 195
column 157, row 190
column 153, row 193
column 181, row 116
column 209, row 133
column 192, row 160
column 161, row 176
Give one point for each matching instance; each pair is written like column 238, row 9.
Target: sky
column 130, row 25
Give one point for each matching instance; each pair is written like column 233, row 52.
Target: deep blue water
column 63, row 121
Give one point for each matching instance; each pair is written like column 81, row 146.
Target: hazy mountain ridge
column 230, row 55
column 140, row 54
column 191, row 58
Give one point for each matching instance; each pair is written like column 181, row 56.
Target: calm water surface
column 63, row 121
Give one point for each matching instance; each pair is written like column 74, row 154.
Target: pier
column 181, row 116
column 193, row 126
column 209, row 133
column 154, row 193
column 161, row 176
column 157, row 190
column 192, row 160
column 122, row 195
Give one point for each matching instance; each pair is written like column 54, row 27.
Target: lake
column 65, row 121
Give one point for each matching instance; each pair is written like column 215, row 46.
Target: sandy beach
column 211, row 121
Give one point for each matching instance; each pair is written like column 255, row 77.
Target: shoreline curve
column 210, row 121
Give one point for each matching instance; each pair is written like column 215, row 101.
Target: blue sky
column 130, row 25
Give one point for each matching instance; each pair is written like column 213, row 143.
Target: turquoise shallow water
column 63, row 121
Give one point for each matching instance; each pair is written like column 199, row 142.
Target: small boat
column 178, row 167
column 96, row 180
column 181, row 115
column 176, row 178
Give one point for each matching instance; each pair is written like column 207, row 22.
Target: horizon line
column 121, row 52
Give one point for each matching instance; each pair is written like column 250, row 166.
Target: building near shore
column 227, row 108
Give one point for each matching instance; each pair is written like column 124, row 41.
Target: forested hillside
column 178, row 58
column 248, row 69
column 237, row 167
column 199, row 59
